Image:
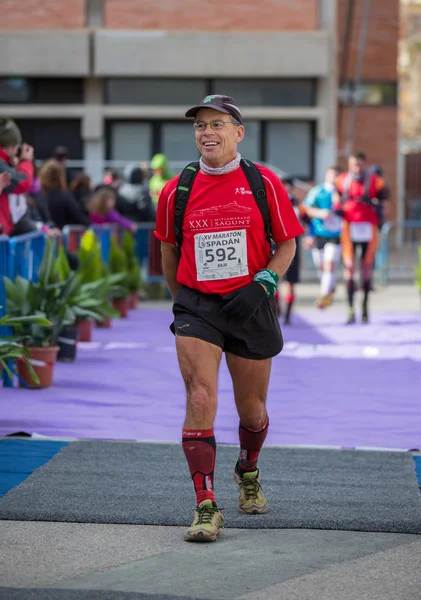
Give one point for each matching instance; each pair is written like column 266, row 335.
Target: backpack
column 185, row 185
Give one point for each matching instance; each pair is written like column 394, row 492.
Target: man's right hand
column 27, row 153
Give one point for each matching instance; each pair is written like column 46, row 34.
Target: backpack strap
column 347, row 186
column 182, row 195
column 257, row 186
column 367, row 184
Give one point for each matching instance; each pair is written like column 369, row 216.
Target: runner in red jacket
column 361, row 192
column 223, row 284
column 10, row 140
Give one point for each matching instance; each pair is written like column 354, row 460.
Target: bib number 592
column 220, row 254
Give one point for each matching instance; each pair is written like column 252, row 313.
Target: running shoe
column 251, row 499
column 207, row 523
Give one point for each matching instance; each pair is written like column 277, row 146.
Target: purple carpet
column 332, row 385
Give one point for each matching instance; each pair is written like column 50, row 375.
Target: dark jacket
column 65, row 210
column 133, row 199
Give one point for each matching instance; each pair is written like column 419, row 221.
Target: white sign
column 221, row 255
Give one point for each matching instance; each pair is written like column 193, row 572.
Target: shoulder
column 272, row 182
column 267, row 174
column 170, row 187
column 341, row 179
column 378, row 181
column 313, row 194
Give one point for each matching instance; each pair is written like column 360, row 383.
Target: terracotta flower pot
column 120, row 305
column 42, row 361
column 85, row 328
column 105, row 324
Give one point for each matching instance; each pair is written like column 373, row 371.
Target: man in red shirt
column 10, row 140
column 222, row 284
column 361, row 192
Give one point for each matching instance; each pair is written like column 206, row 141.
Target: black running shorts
column 199, row 315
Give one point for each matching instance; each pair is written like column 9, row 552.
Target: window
column 51, row 90
column 168, row 92
column 178, row 142
column 57, row 91
column 268, row 92
column 289, row 146
column 130, row 141
column 250, row 146
column 45, row 134
column 369, row 93
column 14, row 90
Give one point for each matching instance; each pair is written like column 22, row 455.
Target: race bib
column 361, row 232
column 333, row 223
column 221, row 255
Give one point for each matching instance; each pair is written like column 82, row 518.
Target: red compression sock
column 200, row 448
column 251, row 442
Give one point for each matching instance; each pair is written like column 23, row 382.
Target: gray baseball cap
column 224, row 104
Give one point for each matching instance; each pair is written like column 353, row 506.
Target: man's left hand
column 243, row 303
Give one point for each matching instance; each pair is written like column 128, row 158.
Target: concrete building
column 111, row 79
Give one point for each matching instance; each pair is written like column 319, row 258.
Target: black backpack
column 185, row 185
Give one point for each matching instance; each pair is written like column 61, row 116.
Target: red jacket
column 25, row 166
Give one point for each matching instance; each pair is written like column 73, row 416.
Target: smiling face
column 218, row 145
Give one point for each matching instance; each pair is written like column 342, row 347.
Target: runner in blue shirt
column 326, row 230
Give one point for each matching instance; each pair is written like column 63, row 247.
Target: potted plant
column 87, row 301
column 134, row 278
column 118, row 266
column 90, row 270
column 12, row 348
column 47, row 298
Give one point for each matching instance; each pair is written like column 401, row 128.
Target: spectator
column 62, row 205
column 112, row 178
column 160, row 176
column 61, row 154
column 102, row 209
column 133, row 200
column 21, row 176
column 82, row 188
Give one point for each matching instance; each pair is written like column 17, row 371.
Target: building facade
column 111, row 79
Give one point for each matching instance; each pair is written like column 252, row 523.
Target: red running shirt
column 224, row 240
column 354, row 210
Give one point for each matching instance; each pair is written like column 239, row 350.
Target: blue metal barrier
column 25, row 255
column 397, row 256
column 20, row 255
column 104, row 234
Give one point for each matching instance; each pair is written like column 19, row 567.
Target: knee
column 254, row 417
column 329, row 266
column 199, row 394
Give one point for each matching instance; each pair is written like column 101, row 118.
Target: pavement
column 155, row 562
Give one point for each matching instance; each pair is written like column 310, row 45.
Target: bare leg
column 349, row 270
column 289, row 301
column 199, row 364
column 250, row 380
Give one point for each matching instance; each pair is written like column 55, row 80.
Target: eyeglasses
column 215, row 125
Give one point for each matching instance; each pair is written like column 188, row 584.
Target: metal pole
column 362, row 42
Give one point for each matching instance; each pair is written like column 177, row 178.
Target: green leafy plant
column 12, row 348
column 91, row 267
column 118, row 266
column 134, row 278
column 48, row 298
column 91, row 299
